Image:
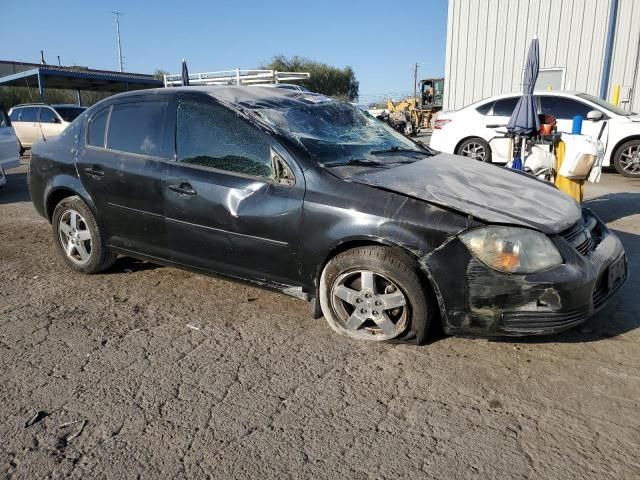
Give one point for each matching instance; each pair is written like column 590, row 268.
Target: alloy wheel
column 75, row 236
column 630, row 160
column 369, row 304
column 475, row 151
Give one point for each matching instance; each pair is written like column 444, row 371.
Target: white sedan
column 469, row 130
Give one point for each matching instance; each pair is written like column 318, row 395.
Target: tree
column 159, row 74
column 335, row 82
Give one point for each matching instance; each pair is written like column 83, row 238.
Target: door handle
column 94, row 171
column 182, row 189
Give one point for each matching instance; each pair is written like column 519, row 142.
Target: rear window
column 504, row 107
column 137, row 128
column 96, row 128
column 47, row 115
column 69, row 114
column 484, row 109
column 29, row 114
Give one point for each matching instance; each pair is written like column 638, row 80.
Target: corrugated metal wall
column 487, row 41
column 625, row 60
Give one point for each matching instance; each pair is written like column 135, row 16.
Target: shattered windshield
column 338, row 133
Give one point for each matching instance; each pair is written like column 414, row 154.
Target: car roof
column 238, row 96
column 39, row 104
column 558, row 93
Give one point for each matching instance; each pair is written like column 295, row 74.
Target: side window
column 96, row 128
column 484, row 109
column 563, row 108
column 138, row 128
column 215, row 137
column 15, row 114
column 47, row 115
column 505, row 106
column 29, row 114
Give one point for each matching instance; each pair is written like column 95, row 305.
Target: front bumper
column 475, row 299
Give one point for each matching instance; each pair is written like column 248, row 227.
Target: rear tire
column 373, row 293
column 476, row 149
column 78, row 237
column 626, row 159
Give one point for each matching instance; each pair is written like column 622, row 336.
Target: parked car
column 468, row 131
column 8, row 146
column 310, row 196
column 38, row 121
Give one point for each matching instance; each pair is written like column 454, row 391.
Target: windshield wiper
column 356, row 162
column 398, row 150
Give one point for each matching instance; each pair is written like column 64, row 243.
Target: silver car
column 9, row 157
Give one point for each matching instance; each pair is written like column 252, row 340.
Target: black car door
column 226, row 211
column 121, row 164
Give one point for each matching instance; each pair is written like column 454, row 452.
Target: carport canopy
column 79, row 79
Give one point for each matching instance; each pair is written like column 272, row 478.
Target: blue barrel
column 577, row 125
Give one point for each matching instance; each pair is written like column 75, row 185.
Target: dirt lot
column 167, row 374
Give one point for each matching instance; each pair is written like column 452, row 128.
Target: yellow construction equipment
column 411, row 114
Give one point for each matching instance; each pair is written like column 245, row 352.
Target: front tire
column 476, row 149
column 78, row 237
column 626, row 160
column 372, row 293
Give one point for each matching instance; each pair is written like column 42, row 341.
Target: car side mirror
column 595, row 115
column 281, row 171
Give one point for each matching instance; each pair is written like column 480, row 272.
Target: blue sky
column 219, row 35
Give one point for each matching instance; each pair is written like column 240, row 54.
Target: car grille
column 584, row 236
column 543, row 321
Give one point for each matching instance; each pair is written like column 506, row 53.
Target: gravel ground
column 152, row 372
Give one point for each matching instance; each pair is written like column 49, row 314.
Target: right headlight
column 512, row 249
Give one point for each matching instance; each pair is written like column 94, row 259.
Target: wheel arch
column 617, row 146
column 430, row 289
column 363, row 241
column 469, row 137
column 61, row 188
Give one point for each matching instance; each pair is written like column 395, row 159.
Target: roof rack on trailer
column 236, row 77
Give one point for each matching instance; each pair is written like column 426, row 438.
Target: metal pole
column 608, row 49
column 40, row 87
column 79, row 97
column 117, row 14
column 415, row 83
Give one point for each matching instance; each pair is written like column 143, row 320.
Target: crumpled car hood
column 487, row 192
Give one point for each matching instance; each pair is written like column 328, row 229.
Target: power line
column 118, row 15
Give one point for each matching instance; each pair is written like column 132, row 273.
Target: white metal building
column 585, row 45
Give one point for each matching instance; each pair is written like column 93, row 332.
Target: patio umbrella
column 185, row 74
column 524, row 120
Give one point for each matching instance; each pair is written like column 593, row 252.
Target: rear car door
column 49, row 123
column 565, row 108
column 121, row 165
column 226, row 211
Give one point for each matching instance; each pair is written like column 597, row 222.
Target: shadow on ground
column 614, row 206
column 15, row 190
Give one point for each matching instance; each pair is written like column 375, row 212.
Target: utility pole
column 415, row 81
column 118, row 14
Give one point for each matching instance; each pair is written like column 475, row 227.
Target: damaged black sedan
column 297, row 192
